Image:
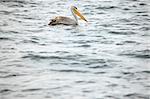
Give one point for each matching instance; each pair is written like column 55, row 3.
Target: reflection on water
column 108, row 58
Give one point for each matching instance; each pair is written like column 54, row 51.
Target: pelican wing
column 62, row 20
column 66, row 21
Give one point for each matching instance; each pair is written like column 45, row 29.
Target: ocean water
column 106, row 58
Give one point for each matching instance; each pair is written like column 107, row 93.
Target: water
column 108, row 58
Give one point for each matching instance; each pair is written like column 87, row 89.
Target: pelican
column 61, row 20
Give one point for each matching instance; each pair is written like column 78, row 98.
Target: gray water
column 106, row 58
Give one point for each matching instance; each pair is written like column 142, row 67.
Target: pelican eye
column 75, row 7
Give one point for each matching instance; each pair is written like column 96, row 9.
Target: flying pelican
column 61, row 20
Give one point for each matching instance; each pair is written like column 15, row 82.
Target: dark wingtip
column 50, row 23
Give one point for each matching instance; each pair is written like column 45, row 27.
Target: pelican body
column 61, row 20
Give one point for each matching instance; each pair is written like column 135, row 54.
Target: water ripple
column 138, row 54
column 71, row 71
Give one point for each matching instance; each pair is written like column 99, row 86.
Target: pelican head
column 75, row 12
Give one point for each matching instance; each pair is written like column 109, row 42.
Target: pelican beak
column 77, row 12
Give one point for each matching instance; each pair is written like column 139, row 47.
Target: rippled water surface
column 108, row 58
